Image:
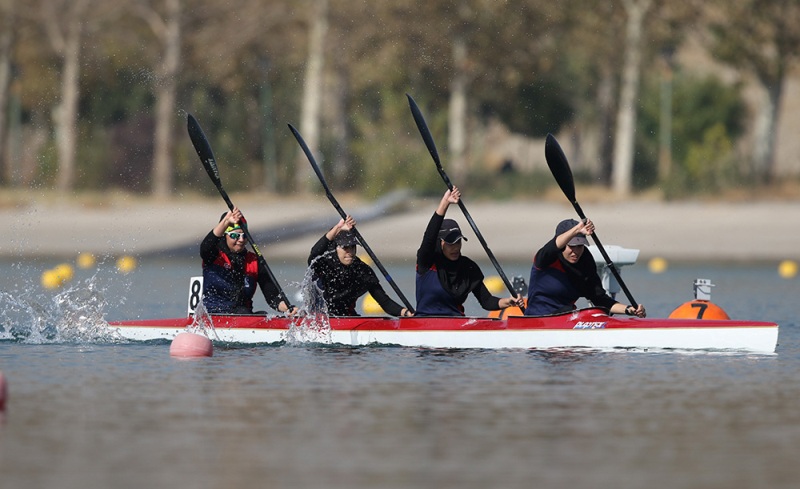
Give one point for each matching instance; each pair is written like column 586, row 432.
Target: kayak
column 591, row 328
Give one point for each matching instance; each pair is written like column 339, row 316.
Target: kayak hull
column 585, row 328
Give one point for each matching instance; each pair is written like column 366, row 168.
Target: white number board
column 195, row 293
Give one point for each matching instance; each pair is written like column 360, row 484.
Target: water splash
column 74, row 315
column 312, row 324
column 202, row 323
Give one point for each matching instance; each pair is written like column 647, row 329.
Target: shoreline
column 286, row 228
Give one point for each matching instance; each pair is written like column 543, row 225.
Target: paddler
column 562, row 273
column 445, row 277
column 343, row 277
column 231, row 272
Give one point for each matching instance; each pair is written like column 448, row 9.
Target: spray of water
column 74, row 315
column 312, row 324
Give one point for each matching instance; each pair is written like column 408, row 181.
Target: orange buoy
column 698, row 309
column 191, row 345
column 701, row 307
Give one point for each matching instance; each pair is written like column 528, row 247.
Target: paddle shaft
column 610, row 264
column 559, row 167
column 342, row 213
column 429, row 143
column 203, row 148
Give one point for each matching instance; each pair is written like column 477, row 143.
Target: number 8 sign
column 195, row 293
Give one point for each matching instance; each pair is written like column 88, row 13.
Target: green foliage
column 388, row 150
column 707, row 115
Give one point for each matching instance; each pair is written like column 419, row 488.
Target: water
column 86, row 411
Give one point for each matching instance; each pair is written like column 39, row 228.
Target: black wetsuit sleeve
column 209, row 248
column 594, row 286
column 547, row 255
column 485, row 298
column 320, row 248
column 268, row 288
column 382, row 298
column 427, row 250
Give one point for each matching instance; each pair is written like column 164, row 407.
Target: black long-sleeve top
column 458, row 278
column 342, row 285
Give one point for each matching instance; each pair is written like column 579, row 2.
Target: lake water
column 85, row 412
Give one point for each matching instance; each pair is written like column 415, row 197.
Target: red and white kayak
column 585, row 328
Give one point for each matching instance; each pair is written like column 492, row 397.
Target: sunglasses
column 234, row 235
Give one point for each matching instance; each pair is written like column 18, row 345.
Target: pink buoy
column 189, row 345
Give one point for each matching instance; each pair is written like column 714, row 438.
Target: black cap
column 566, row 225
column 345, row 238
column 450, row 232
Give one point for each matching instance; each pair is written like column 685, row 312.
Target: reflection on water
column 86, row 412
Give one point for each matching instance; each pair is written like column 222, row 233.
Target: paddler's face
column 451, row 251
column 346, row 254
column 573, row 253
column 236, row 245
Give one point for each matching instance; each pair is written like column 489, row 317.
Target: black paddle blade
column 203, row 148
column 423, row 130
column 559, row 167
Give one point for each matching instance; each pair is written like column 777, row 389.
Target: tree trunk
column 66, row 114
column 312, row 94
column 6, row 39
column 339, row 127
column 622, row 171
column 165, row 102
column 764, row 131
column 457, row 117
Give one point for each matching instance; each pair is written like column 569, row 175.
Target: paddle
column 559, row 166
column 342, row 213
column 426, row 136
column 203, row 148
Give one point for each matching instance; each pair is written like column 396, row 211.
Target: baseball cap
column 450, row 232
column 566, row 225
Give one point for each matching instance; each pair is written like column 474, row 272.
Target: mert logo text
column 590, row 325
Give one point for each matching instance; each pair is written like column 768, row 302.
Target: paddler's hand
column 282, row 307
column 405, row 313
column 512, row 301
column 348, row 224
column 638, row 311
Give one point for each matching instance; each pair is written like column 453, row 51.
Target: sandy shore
column 285, row 229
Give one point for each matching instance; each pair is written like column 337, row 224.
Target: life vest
column 226, row 289
column 550, row 290
column 433, row 299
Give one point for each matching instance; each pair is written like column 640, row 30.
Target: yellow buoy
column 787, row 269
column 371, row 306
column 657, row 265
column 65, row 272
column 50, row 279
column 495, row 284
column 86, row 260
column 126, row 264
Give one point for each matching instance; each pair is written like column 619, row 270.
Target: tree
column 167, row 29
column 760, row 37
column 64, row 24
column 312, row 89
column 622, row 169
column 6, row 39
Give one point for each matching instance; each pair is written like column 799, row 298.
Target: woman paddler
column 445, row 277
column 230, row 272
column 562, row 273
column 343, row 277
